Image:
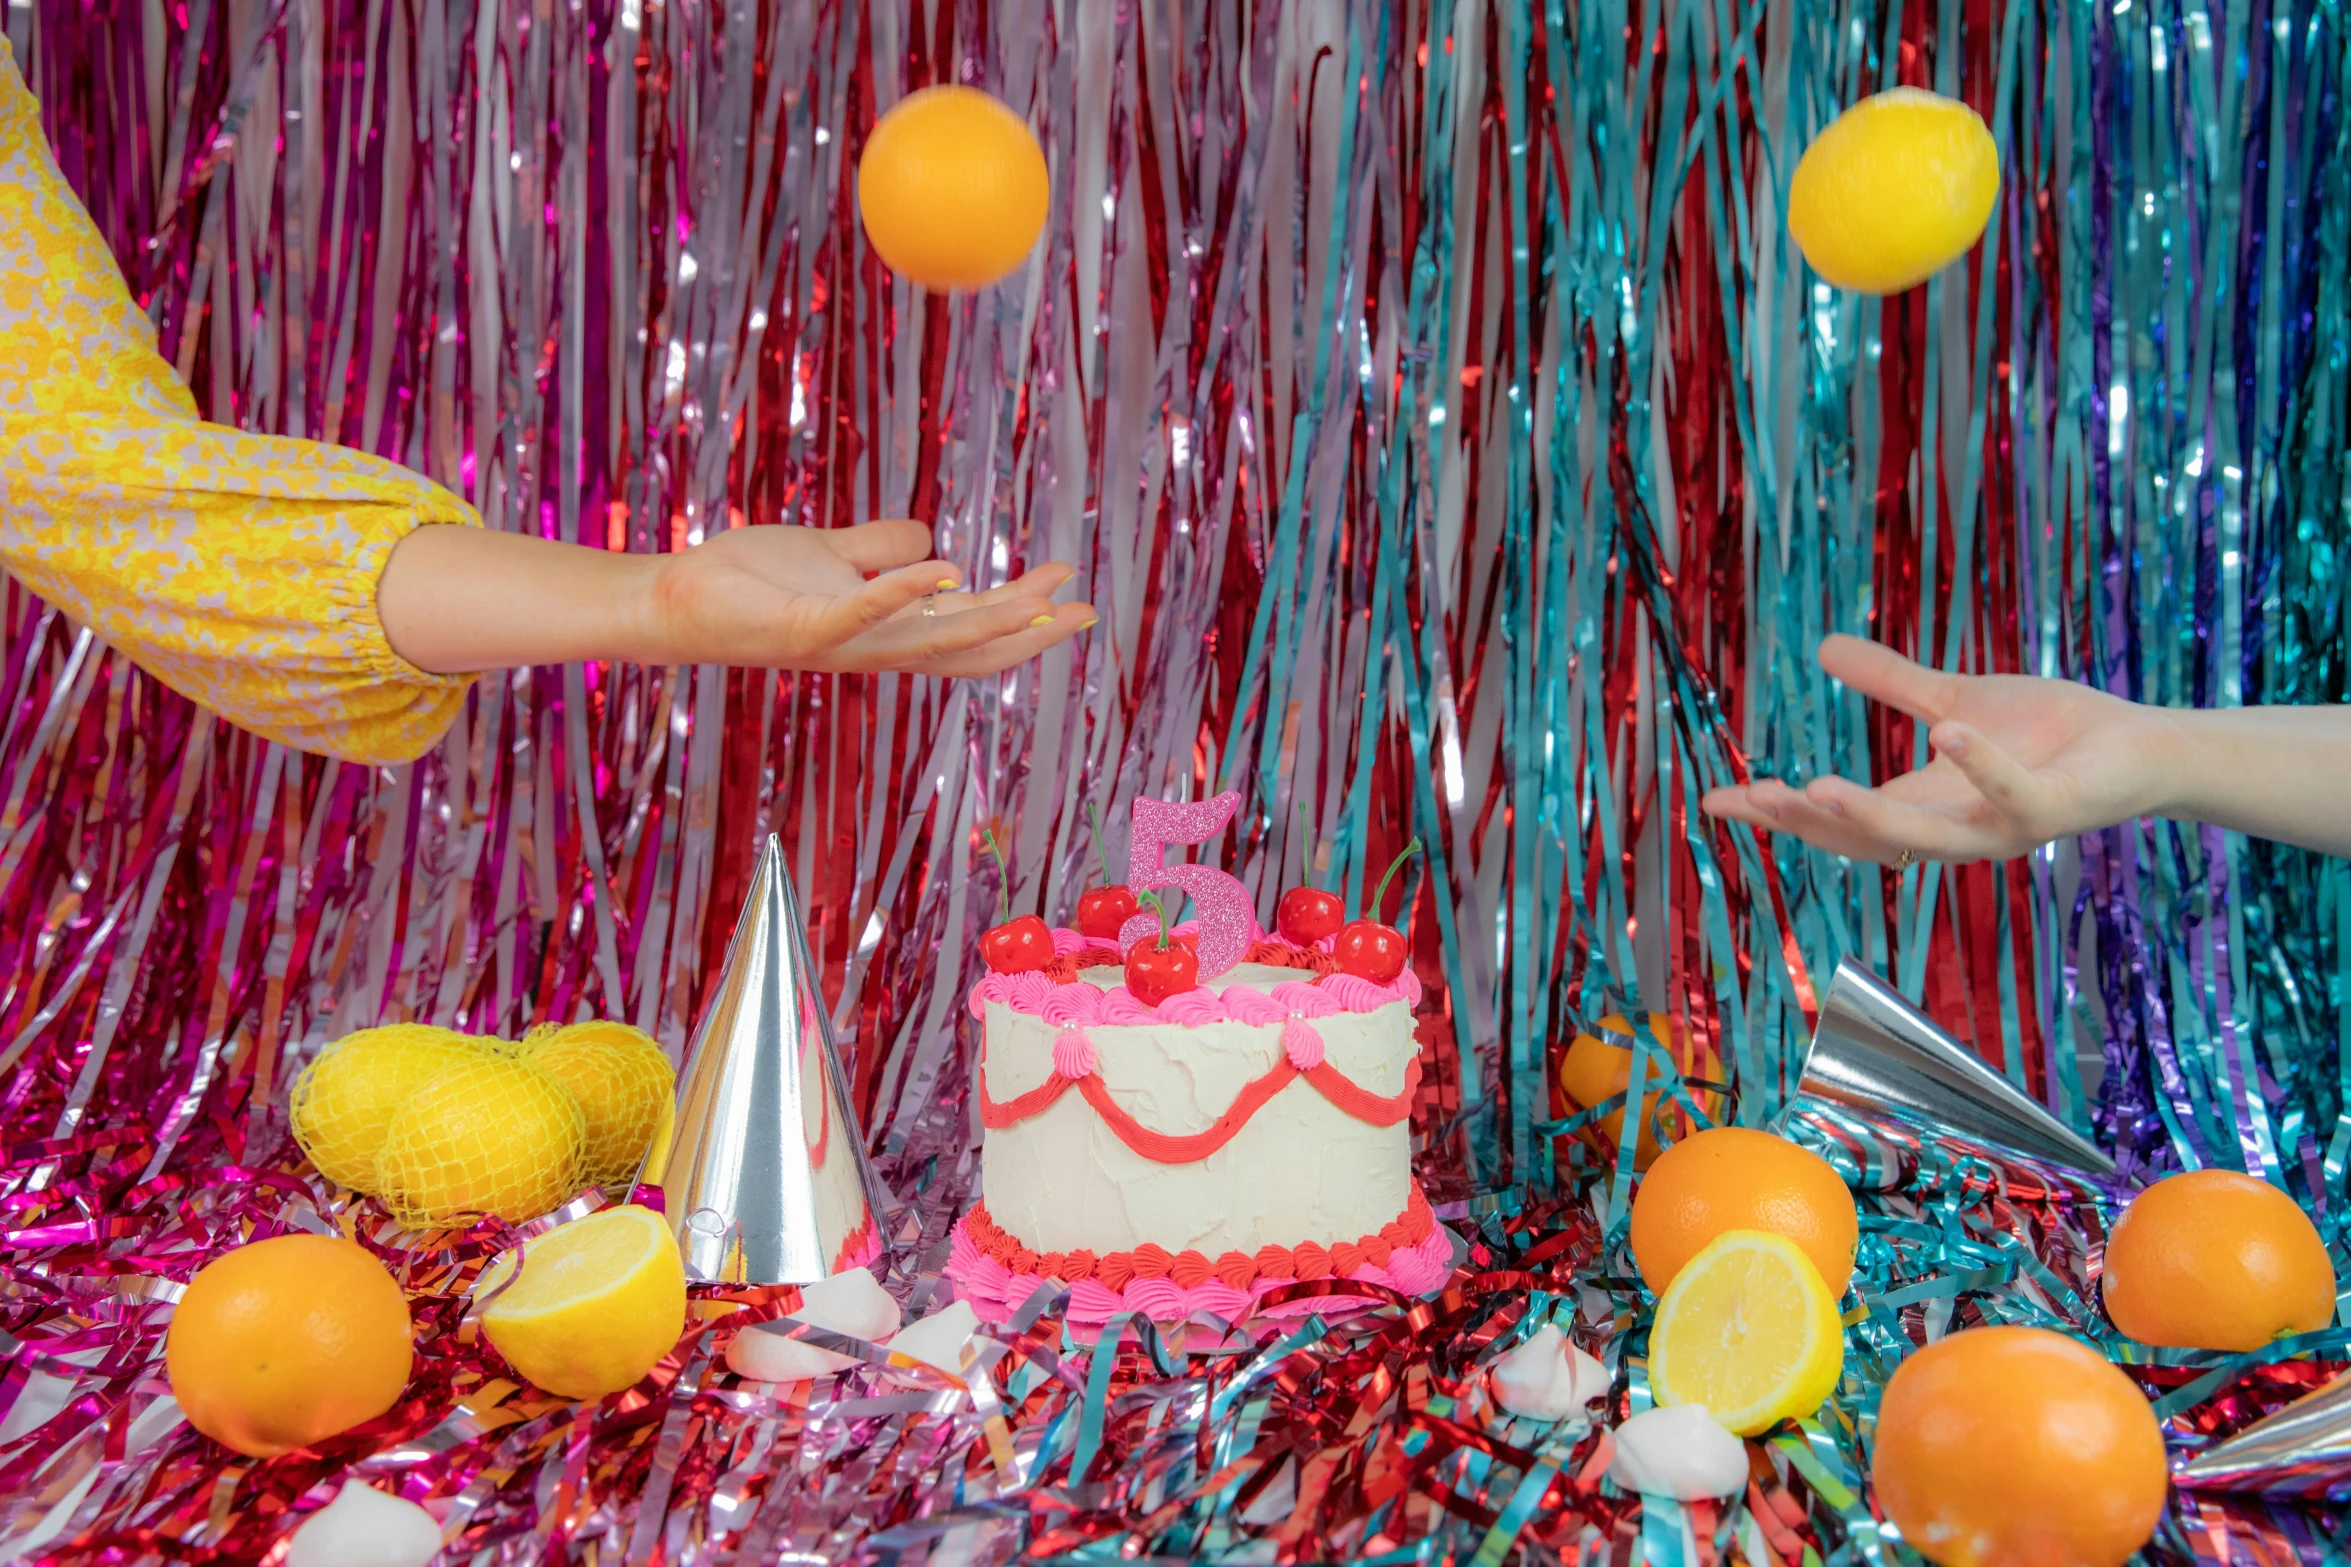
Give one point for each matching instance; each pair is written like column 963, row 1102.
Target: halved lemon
column 599, row 1302
column 1749, row 1330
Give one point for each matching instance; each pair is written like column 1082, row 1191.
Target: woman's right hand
column 785, row 597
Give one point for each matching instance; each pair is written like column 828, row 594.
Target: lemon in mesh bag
column 495, row 1135
column 624, row 1086
column 344, row 1100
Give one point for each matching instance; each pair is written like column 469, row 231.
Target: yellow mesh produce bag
column 624, row 1086
column 343, row 1102
column 493, row 1136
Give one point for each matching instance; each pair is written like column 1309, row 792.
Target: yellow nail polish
column 945, row 583
column 1089, row 623
column 1041, row 620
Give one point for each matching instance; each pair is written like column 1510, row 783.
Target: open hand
column 2018, row 761
column 799, row 598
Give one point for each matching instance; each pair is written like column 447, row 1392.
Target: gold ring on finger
column 1906, row 859
column 930, row 607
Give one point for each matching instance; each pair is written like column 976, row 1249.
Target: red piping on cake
column 1165, row 1148
column 1307, row 1260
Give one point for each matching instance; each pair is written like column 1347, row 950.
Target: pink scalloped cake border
column 996, row 1292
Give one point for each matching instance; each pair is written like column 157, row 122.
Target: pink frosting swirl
column 1119, row 1006
column 1072, row 1004
column 1313, row 1000
column 1354, row 993
column 1302, row 1044
column 1073, row 1054
column 991, row 988
column 1066, row 942
column 1029, row 990
column 1193, row 1009
column 1254, row 1007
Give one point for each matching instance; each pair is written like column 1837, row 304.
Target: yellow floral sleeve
column 238, row 569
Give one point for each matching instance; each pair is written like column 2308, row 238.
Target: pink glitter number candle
column 1228, row 920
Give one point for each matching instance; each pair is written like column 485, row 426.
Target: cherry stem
column 1158, row 907
column 1101, row 858
column 1003, row 873
column 1305, row 851
column 1394, row 866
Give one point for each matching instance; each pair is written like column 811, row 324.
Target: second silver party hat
column 2301, row 1450
column 1875, row 1052
column 766, row 1179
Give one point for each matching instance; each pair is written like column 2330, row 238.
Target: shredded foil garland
column 1456, row 446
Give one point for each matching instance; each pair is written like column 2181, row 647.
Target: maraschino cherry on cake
column 1182, row 1119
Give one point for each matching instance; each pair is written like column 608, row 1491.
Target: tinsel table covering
column 1457, row 447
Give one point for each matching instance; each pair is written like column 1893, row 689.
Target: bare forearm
column 458, row 600
column 2282, row 773
column 869, row 598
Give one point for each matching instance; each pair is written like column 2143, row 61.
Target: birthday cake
column 1172, row 1130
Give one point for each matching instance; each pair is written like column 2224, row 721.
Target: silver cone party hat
column 765, row 1180
column 2302, row 1450
column 1875, row 1052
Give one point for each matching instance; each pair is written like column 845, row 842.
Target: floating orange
column 1732, row 1178
column 2216, row 1260
column 952, row 188
column 1599, row 1066
column 2018, row 1447
column 285, row 1342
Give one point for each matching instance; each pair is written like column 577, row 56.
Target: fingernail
column 945, row 583
column 1089, row 623
column 1041, row 620
column 1954, row 744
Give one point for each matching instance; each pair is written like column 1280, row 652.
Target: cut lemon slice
column 600, row 1300
column 1748, row 1330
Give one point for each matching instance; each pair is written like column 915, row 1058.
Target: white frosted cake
column 1247, row 1133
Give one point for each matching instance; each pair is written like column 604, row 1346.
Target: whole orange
column 1731, row 1178
column 2216, row 1260
column 953, row 188
column 1600, row 1066
column 285, row 1342
column 2018, row 1447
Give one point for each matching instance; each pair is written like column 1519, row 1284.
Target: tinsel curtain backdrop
column 1429, row 396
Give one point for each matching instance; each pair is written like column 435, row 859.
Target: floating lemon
column 600, row 1300
column 285, row 1342
column 1748, row 1330
column 493, row 1136
column 1896, row 189
column 623, row 1085
column 953, row 188
column 344, row 1101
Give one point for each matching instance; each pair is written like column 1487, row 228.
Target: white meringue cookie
column 852, row 1302
column 938, row 1339
column 1678, row 1451
column 364, row 1527
column 1548, row 1378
